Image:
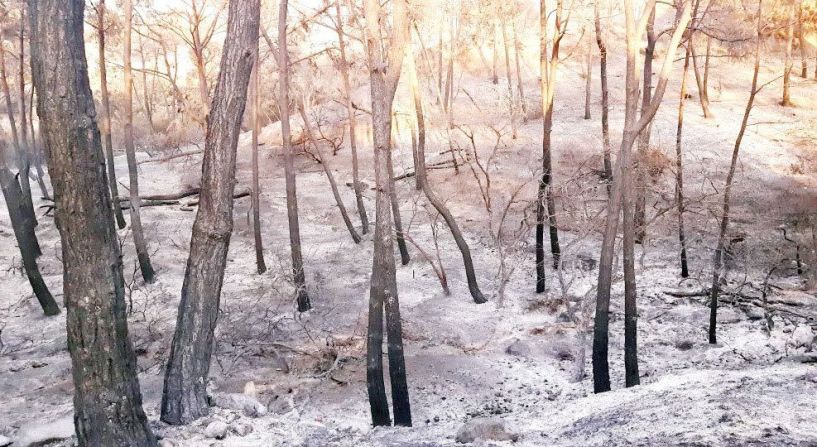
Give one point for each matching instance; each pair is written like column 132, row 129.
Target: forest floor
column 513, row 360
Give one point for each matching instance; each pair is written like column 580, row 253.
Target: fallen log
column 171, row 196
column 171, row 157
column 236, row 195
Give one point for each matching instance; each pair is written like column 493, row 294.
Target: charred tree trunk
column 422, row 179
column 395, row 211
column 679, row 169
column 324, row 161
column 289, row 165
column 106, row 116
column 255, row 101
column 383, row 292
column 640, row 186
column 350, row 110
column 22, row 227
column 727, row 193
column 588, row 81
column 21, row 78
column 620, row 199
column 184, row 398
column 107, row 401
column 605, row 96
column 545, row 205
column 139, row 242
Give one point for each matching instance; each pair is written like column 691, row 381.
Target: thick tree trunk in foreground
column 13, row 195
column 605, row 96
column 422, row 179
column 139, row 242
column 679, row 168
column 289, row 166
column 324, row 161
column 184, row 398
column 107, row 401
column 621, row 187
column 350, row 111
column 106, row 116
column 545, row 204
column 384, row 76
column 255, row 101
column 727, row 193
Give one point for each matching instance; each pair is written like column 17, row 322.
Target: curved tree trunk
column 422, row 180
column 106, row 116
column 727, row 193
column 324, row 161
column 350, row 111
column 184, row 398
column 107, row 401
column 289, row 166
column 148, row 274
column 13, row 195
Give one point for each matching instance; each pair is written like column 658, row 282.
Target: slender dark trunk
column 148, row 274
column 107, row 401
column 289, row 166
column 679, row 169
column 255, row 103
column 422, row 180
column 588, row 85
column 22, row 81
column 727, row 193
column 324, row 161
column 395, row 210
column 630, row 293
column 641, row 181
column 22, row 227
column 350, row 110
column 605, row 98
column 106, row 117
column 185, row 395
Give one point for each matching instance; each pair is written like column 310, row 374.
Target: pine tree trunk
column 727, row 193
column 588, row 86
column 13, row 195
column 106, row 116
column 22, row 81
column 350, row 110
column 422, row 180
column 786, row 102
column 148, row 274
column 184, row 398
column 255, row 103
column 289, row 165
column 107, row 401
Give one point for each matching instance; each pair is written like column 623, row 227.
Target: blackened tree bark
column 184, row 398
column 641, row 185
column 260, row 265
column 23, row 162
column 107, row 401
column 422, row 180
column 106, row 115
column 350, row 110
column 679, row 168
column 384, row 74
column 605, row 96
column 621, row 187
column 289, row 167
column 545, row 203
column 727, row 192
column 405, row 258
column 148, row 274
column 13, row 195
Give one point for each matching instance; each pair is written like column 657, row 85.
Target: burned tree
column 255, row 101
column 384, row 70
column 107, row 401
column 184, row 398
